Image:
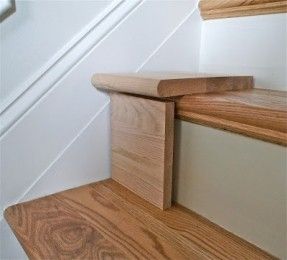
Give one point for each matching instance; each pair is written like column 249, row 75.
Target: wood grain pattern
column 257, row 113
column 142, row 146
column 169, row 85
column 214, row 9
column 105, row 220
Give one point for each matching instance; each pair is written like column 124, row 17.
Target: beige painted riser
column 235, row 181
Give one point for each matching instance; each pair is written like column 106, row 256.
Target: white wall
column 254, row 45
column 180, row 50
column 62, row 140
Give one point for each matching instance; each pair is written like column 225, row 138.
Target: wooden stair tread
column 258, row 113
column 216, row 9
column 105, row 220
column 162, row 85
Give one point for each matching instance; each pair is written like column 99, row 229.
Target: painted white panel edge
column 5, row 5
column 59, row 55
column 76, row 50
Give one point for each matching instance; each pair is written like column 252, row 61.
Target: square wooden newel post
column 142, row 127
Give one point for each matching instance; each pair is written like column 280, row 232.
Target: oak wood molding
column 104, row 220
column 163, row 85
column 256, row 113
column 215, row 9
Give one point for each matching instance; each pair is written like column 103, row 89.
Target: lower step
column 105, row 220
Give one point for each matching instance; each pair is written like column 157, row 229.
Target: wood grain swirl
column 105, row 220
column 49, row 229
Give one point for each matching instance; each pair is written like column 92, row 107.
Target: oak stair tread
column 161, row 85
column 257, row 113
column 217, row 9
column 105, row 220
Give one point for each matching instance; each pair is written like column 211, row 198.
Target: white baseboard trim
column 15, row 106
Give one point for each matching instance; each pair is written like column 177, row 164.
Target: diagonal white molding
column 60, row 154
column 13, row 108
column 7, row 7
column 58, row 56
column 165, row 40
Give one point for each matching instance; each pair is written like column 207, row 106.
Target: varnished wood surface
column 104, row 220
column 169, row 84
column 214, row 9
column 256, row 113
column 142, row 146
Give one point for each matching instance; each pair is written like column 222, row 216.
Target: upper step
column 226, row 102
column 257, row 113
column 217, row 9
column 170, row 84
